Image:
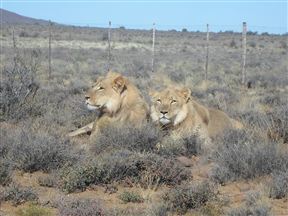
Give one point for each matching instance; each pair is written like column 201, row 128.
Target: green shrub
column 5, row 173
column 133, row 197
column 48, row 181
column 279, row 185
column 18, row 195
column 122, row 165
column 32, row 151
column 189, row 196
column 80, row 207
column 242, row 155
column 187, row 146
column 143, row 139
column 33, row 210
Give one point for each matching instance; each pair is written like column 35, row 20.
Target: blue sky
column 261, row 16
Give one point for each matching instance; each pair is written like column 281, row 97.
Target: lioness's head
column 170, row 105
column 106, row 93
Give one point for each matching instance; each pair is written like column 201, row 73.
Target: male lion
column 118, row 101
column 173, row 108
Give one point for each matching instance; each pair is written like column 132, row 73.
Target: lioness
column 118, row 101
column 173, row 108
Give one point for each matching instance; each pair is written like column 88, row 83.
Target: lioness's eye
column 173, row 101
column 158, row 101
column 100, row 88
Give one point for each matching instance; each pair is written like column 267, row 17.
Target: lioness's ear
column 186, row 93
column 119, row 83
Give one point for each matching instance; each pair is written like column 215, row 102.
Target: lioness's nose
column 87, row 97
column 164, row 112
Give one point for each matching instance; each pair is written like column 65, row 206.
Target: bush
column 259, row 210
column 133, row 197
column 32, row 151
column 157, row 209
column 142, row 139
column 18, row 88
column 18, row 195
column 279, row 185
column 80, row 207
column 252, row 44
column 242, row 155
column 23, row 34
column 48, row 181
column 189, row 196
column 253, row 206
column 80, row 176
column 187, row 146
column 146, row 169
column 279, row 125
column 233, row 43
column 33, row 210
column 5, row 173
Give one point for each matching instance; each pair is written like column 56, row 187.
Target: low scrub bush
column 258, row 210
column 48, row 181
column 135, row 139
column 242, row 155
column 80, row 207
column 18, row 87
column 253, row 206
column 18, row 195
column 5, row 173
column 279, row 126
column 133, row 197
column 174, row 147
column 30, row 151
column 157, row 209
column 146, row 169
column 279, row 185
column 189, row 196
column 33, row 210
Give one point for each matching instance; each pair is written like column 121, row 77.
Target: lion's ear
column 152, row 93
column 119, row 83
column 186, row 93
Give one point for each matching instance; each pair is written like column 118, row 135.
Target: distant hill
column 13, row 18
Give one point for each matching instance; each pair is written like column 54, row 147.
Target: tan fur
column 119, row 102
column 194, row 117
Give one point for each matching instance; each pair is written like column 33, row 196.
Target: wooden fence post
column 13, row 38
column 153, row 47
column 49, row 49
column 207, row 53
column 109, row 46
column 244, row 53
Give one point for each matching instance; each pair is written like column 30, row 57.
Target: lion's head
column 106, row 93
column 169, row 107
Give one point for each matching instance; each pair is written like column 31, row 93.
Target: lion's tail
column 237, row 124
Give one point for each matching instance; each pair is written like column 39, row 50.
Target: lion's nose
column 164, row 112
column 87, row 97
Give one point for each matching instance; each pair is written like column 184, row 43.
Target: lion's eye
column 158, row 101
column 173, row 101
column 100, row 88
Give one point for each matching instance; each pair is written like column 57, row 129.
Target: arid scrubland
column 123, row 171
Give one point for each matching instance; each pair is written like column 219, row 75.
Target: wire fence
column 195, row 49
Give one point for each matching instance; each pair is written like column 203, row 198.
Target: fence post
column 109, row 46
column 153, row 48
column 207, row 53
column 244, row 53
column 13, row 38
column 49, row 49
